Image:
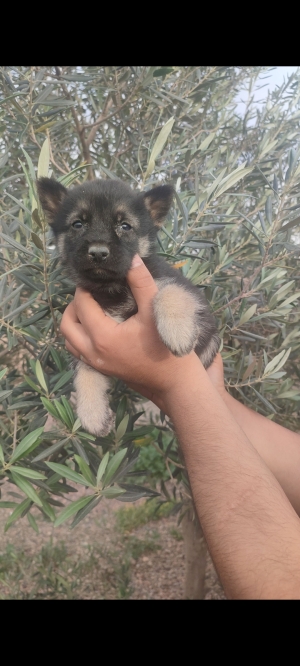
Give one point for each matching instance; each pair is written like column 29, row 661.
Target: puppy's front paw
column 92, row 404
column 176, row 315
column 98, row 423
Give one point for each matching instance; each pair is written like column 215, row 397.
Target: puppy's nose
column 98, row 252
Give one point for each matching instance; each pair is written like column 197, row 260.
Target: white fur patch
column 175, row 311
column 60, row 244
column 144, row 246
column 92, row 404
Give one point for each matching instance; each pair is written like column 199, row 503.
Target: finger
column 72, row 350
column 91, row 315
column 142, row 286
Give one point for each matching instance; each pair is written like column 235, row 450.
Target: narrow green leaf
column 121, row 429
column 29, row 443
column 102, row 467
column 68, row 473
column 111, row 493
column 233, row 178
column 37, row 241
column 36, row 218
column 159, row 144
column 207, row 141
column 51, row 449
column 63, row 380
column 120, row 413
column 4, row 395
column 27, row 488
column 71, row 509
column 48, row 509
column 17, row 513
column 292, row 223
column 215, row 184
column 272, row 364
column 2, row 373
column 44, row 160
column 85, row 470
column 16, row 245
column 56, row 358
column 268, row 208
column 68, row 409
column 249, row 370
column 32, row 384
column 247, row 314
column 68, row 179
column 291, row 299
column 264, row 400
column 32, row 522
column 63, row 416
column 40, row 376
column 2, row 460
column 50, row 408
column 283, row 360
column 82, row 513
column 291, row 395
column 113, row 465
column 30, row 473
column 30, row 164
column 76, row 425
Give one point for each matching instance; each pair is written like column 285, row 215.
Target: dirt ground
column 108, row 556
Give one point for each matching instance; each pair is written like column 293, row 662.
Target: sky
column 275, row 78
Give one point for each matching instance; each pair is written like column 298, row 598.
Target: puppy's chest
column 117, row 306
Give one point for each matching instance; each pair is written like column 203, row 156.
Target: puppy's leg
column 92, row 404
column 208, row 352
column 176, row 312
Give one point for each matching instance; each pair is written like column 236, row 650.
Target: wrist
column 186, row 383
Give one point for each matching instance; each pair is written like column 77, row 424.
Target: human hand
column 131, row 350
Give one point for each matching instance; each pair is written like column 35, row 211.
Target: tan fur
column 80, row 212
column 92, row 400
column 60, row 246
column 144, row 246
column 175, row 311
column 125, row 215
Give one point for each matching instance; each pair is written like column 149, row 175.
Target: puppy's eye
column 77, row 224
column 125, row 226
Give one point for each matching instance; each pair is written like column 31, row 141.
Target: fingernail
column 136, row 261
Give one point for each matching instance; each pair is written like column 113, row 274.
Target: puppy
column 99, row 226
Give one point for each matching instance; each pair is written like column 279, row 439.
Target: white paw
column 100, row 427
column 92, row 404
column 176, row 313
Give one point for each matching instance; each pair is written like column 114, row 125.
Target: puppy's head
column 99, row 226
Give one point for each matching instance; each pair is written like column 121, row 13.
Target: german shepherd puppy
column 99, row 226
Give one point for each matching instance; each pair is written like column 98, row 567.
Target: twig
column 15, row 430
column 79, row 127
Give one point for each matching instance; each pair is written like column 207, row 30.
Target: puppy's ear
column 158, row 202
column 51, row 195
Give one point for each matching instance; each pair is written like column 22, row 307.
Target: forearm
column 279, row 447
column 251, row 528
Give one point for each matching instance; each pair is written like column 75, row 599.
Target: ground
column 119, row 551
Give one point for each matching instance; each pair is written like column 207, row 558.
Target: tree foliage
column 232, row 231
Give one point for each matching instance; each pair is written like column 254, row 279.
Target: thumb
column 142, row 286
